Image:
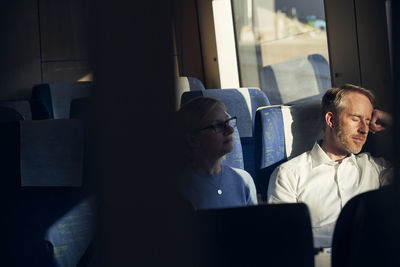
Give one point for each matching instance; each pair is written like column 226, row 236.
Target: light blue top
column 231, row 187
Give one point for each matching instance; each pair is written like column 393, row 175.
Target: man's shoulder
column 295, row 164
column 299, row 160
column 367, row 157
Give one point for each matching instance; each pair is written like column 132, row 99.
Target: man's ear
column 330, row 120
column 192, row 140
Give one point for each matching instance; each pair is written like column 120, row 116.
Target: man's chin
column 355, row 150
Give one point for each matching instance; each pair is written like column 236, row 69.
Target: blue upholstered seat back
column 235, row 158
column 189, row 84
column 28, row 109
column 281, row 133
column 49, row 215
column 186, row 84
column 243, row 104
column 296, row 79
column 8, row 115
column 57, row 97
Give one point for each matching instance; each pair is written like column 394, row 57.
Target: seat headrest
column 295, row 79
column 9, row 114
column 57, row 97
column 21, row 107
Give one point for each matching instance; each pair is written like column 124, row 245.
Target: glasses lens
column 219, row 127
column 232, row 122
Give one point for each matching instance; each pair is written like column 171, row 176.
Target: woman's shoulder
column 236, row 171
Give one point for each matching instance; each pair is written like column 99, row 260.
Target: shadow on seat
column 48, row 213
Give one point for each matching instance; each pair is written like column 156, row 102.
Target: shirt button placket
column 339, row 184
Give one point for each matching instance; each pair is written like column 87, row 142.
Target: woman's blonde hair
column 190, row 116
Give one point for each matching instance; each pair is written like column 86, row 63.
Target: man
column 329, row 175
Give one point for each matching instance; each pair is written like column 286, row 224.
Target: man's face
column 352, row 128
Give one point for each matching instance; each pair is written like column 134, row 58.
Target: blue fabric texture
column 195, row 84
column 202, row 189
column 71, row 234
column 258, row 99
column 235, row 158
column 322, row 72
column 270, row 145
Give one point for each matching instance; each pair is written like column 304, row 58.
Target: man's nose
column 364, row 127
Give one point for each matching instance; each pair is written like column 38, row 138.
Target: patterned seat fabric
column 281, row 133
column 49, row 213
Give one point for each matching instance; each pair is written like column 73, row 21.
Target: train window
column 279, row 33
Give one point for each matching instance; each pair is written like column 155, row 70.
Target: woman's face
column 210, row 142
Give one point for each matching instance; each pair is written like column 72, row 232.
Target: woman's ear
column 330, row 120
column 193, row 140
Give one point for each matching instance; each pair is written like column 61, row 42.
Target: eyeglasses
column 221, row 126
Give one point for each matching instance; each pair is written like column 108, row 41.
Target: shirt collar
column 318, row 157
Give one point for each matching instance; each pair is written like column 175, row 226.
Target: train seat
column 185, row 84
column 281, row 133
column 57, row 96
column 48, row 212
column 28, row 109
column 304, row 77
column 235, row 158
column 189, row 84
column 8, row 115
column 262, row 235
column 242, row 103
column 367, row 232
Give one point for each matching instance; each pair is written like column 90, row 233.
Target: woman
column 207, row 133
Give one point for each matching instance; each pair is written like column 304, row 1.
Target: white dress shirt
column 325, row 185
